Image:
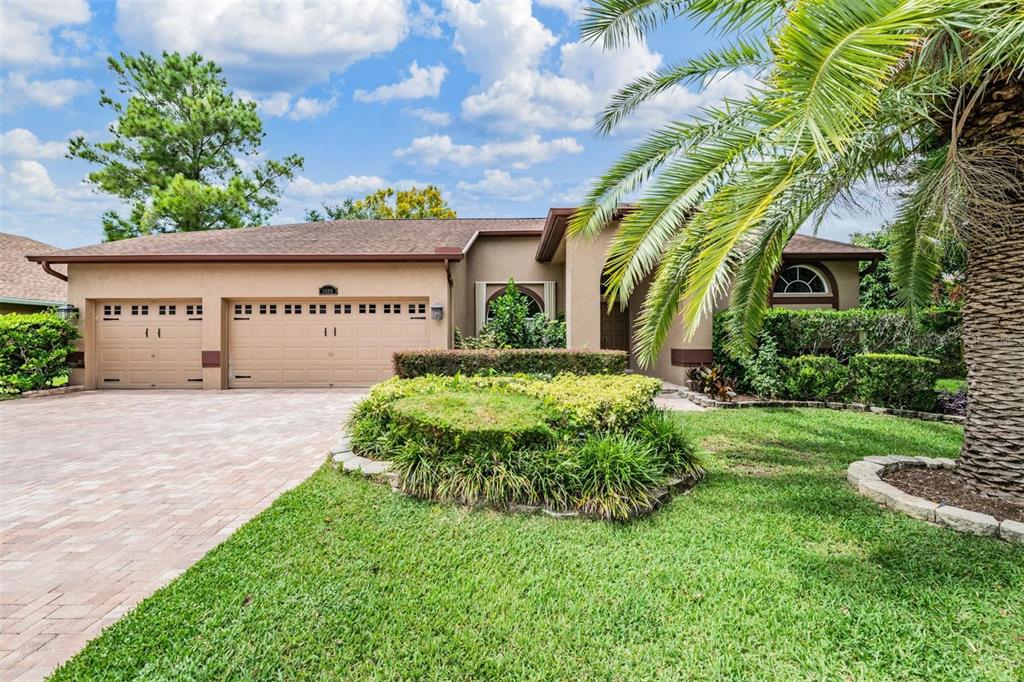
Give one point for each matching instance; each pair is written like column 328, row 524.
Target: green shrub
column 605, row 401
column 814, row 377
column 511, row 325
column 549, row 361
column 665, row 434
column 894, row 380
column 764, row 371
column 593, row 443
column 934, row 333
column 618, row 476
column 34, row 350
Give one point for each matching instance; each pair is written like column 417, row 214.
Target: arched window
column 534, row 304
column 801, row 279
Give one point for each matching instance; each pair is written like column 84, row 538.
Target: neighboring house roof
column 24, row 282
column 334, row 240
column 801, row 246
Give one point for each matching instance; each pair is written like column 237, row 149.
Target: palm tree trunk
column 992, row 458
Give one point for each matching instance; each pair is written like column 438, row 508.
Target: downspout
column 50, row 271
column 869, row 269
column 448, row 304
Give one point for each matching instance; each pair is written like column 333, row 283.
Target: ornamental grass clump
column 594, row 444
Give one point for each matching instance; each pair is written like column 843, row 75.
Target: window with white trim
column 801, row 279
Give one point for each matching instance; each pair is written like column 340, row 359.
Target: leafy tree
column 927, row 95
column 878, row 291
column 387, row 204
column 512, row 326
column 174, row 156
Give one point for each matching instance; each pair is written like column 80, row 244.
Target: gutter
column 50, row 271
column 246, row 258
column 30, row 301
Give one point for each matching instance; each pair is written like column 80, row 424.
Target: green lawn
column 772, row 569
column 951, row 385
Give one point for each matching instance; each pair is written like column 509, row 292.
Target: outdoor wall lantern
column 66, row 311
column 436, row 311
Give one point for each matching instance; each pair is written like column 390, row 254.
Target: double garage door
column 340, row 342
column 271, row 343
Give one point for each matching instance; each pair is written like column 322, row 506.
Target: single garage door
column 149, row 344
column 346, row 342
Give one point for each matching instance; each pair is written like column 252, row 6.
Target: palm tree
column 926, row 96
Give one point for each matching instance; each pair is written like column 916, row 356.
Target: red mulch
column 945, row 487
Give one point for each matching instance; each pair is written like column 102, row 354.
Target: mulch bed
column 943, row 486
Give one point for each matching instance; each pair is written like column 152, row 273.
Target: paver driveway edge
column 106, row 496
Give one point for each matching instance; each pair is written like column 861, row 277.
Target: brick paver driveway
column 107, row 495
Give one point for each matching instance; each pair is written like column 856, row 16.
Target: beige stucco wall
column 496, row 259
column 215, row 284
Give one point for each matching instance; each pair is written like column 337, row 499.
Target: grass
column 951, row 385
column 772, row 569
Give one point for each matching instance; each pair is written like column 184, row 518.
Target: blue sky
column 493, row 101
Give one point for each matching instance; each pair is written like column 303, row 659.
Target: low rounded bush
column 34, row 350
column 814, row 377
column 893, row 380
column 589, row 443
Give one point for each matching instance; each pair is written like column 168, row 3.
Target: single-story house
column 24, row 288
column 326, row 304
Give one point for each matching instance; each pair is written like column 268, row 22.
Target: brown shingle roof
column 807, row 246
column 22, row 281
column 800, row 246
column 331, row 240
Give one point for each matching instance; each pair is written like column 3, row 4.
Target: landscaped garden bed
column 773, row 568
column 588, row 445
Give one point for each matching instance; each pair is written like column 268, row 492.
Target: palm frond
column 833, row 59
column 640, row 163
column 736, row 16
column 646, row 87
column 676, row 193
column 620, row 22
column 661, row 305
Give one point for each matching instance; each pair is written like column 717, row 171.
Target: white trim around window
column 549, row 293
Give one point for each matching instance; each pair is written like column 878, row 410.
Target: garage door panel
column 149, row 344
column 322, row 346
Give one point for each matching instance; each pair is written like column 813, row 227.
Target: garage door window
column 418, row 311
column 196, row 310
column 111, row 311
column 140, row 310
column 314, row 309
column 241, row 309
column 168, row 309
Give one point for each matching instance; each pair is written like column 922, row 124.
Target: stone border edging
column 59, row 390
column 866, row 474
column 704, row 400
column 345, row 460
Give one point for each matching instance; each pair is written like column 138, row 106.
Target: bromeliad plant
column 926, row 96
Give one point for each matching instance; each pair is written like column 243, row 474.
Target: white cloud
column 268, row 46
column 347, row 186
column 435, row 149
column 572, row 8
column 25, row 29
column 498, row 183
column 281, row 104
column 425, row 82
column 574, row 195
column 506, row 46
column 30, row 179
column 425, row 22
column 17, row 90
column 307, row 108
column 434, row 118
column 20, row 143
column 498, row 37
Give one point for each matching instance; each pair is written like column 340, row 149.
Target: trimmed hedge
column 895, row 380
column 814, row 377
column 934, row 333
column 34, row 350
column 409, row 364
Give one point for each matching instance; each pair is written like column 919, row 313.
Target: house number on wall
column 328, row 290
